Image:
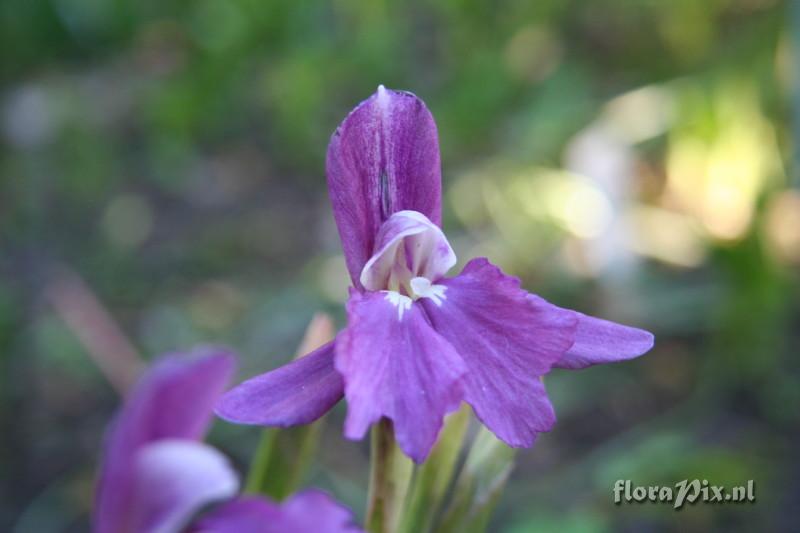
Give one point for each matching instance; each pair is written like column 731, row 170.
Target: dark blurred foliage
column 628, row 159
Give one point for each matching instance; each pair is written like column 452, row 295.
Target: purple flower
column 417, row 342
column 157, row 474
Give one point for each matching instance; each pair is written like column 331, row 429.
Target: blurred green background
column 162, row 184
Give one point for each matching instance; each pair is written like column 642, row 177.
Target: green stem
column 390, row 474
column 256, row 477
column 282, row 459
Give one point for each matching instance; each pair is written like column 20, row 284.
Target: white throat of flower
column 423, row 288
column 411, row 254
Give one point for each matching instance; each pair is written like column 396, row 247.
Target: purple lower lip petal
column 396, row 366
column 507, row 343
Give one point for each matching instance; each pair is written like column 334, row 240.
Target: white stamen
column 423, row 288
column 400, row 301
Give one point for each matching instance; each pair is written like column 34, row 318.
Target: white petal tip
column 383, row 97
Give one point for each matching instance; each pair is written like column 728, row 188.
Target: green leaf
column 433, row 478
column 282, row 460
column 479, row 485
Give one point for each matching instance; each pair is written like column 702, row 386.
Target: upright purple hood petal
column 310, row 511
column 382, row 159
column 173, row 400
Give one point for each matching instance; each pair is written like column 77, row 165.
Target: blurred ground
column 627, row 159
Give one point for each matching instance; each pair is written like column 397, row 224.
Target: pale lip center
column 411, row 254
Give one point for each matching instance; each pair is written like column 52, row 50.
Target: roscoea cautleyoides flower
column 418, row 343
column 157, row 475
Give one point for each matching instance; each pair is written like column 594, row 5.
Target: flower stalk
column 390, row 475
